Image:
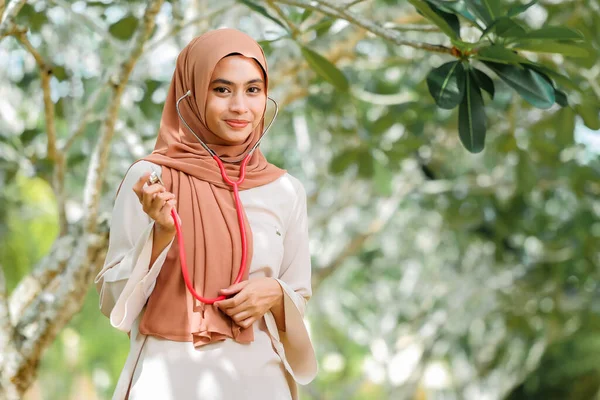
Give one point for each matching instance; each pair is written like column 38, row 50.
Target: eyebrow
column 226, row 82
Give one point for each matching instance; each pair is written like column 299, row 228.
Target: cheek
column 213, row 110
column 258, row 108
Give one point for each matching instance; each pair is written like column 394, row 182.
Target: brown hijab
column 205, row 203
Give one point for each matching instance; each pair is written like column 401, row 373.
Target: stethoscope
column 154, row 178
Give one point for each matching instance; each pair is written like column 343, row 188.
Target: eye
column 254, row 89
column 221, row 89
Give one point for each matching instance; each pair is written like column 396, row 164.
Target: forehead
column 237, row 68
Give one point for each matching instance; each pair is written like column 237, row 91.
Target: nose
column 238, row 103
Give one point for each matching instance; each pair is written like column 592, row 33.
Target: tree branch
column 293, row 28
column 54, row 306
column 52, row 151
column 327, row 8
column 2, row 7
column 413, row 28
column 45, row 272
column 45, row 73
column 6, row 327
column 99, row 159
column 205, row 17
column 12, row 10
column 85, row 117
column 352, row 3
column 9, row 354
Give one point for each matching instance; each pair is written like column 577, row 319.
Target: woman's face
column 236, row 99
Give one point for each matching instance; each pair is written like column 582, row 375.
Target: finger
column 239, row 317
column 160, row 199
column 225, row 304
column 166, row 196
column 229, row 303
column 233, row 289
column 247, row 323
column 170, row 204
column 137, row 187
column 244, row 307
column 148, row 193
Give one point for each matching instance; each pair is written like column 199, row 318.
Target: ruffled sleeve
column 126, row 279
column 294, row 344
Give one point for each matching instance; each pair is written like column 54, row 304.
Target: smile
column 237, row 124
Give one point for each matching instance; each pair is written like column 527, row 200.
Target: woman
column 253, row 344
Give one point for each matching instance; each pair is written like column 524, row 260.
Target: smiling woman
column 252, row 341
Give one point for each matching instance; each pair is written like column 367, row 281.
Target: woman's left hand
column 251, row 300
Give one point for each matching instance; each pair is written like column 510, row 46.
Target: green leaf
column 590, row 112
column 425, row 8
column 307, row 13
column 525, row 172
column 546, row 46
column 561, row 98
column 28, row 135
column 457, row 7
column 325, row 69
column 471, row 117
column 30, row 18
column 505, row 27
column 559, row 78
column 59, row 72
column 499, row 54
column 486, row 10
column 565, row 127
column 556, row 33
column 382, row 179
column 530, row 85
column 342, row 161
column 124, row 28
column 263, row 11
column 484, row 81
column 518, row 9
column 366, row 163
column 322, row 27
column 447, row 84
column 450, row 18
column 592, row 59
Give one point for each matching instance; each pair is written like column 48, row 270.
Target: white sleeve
column 126, row 279
column 295, row 279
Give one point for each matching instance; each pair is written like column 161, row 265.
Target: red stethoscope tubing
column 240, row 214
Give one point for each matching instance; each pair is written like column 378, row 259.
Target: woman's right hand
column 156, row 202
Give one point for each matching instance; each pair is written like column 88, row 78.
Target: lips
column 237, row 123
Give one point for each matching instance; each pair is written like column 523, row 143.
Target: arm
column 282, row 300
column 129, row 273
column 293, row 341
column 161, row 238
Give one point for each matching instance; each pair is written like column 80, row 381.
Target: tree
column 357, row 93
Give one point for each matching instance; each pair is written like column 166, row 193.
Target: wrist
column 164, row 231
column 277, row 293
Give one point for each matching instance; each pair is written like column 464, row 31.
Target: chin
column 235, row 137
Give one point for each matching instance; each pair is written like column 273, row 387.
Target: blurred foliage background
column 438, row 273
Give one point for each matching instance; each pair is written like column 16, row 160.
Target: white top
column 277, row 216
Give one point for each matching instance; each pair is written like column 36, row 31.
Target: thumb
column 235, row 288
